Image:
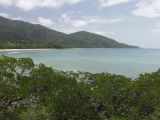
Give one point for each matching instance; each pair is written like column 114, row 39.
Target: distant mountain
column 87, row 39
column 20, row 34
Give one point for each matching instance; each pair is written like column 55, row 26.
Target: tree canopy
column 30, row 91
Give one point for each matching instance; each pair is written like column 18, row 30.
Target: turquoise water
column 130, row 62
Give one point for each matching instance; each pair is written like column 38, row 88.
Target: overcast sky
column 135, row 22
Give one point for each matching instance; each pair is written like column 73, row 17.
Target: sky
column 135, row 22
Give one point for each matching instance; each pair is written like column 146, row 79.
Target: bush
column 38, row 92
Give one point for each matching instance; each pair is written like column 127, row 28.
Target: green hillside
column 87, row 39
column 20, row 34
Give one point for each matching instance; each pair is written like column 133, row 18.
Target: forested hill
column 20, row 34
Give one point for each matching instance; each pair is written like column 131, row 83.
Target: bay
column 129, row 62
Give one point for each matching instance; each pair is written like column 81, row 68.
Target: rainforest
column 30, row 91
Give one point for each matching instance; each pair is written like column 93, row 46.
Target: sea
column 122, row 61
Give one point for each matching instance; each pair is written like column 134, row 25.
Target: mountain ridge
column 20, row 34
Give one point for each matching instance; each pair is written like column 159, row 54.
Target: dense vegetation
column 38, row 92
column 19, row 34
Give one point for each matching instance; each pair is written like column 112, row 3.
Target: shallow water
column 130, row 62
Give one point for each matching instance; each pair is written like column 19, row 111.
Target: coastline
column 26, row 49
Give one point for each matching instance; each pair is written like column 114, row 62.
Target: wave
column 13, row 53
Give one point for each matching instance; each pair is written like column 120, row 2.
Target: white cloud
column 45, row 22
column 147, row 8
column 95, row 19
column 105, row 3
column 156, row 30
column 115, row 20
column 65, row 18
column 79, row 23
column 82, row 21
column 16, row 18
column 85, row 21
column 103, row 20
column 28, row 5
column 104, row 33
column 5, row 15
column 5, row 2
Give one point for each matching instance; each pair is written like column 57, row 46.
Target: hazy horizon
column 134, row 22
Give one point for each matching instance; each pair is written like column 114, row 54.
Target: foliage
column 38, row 92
